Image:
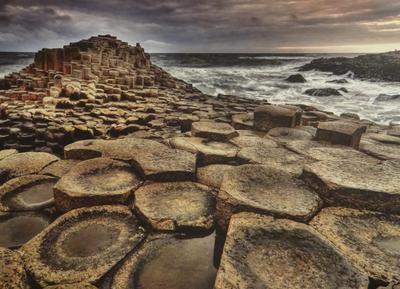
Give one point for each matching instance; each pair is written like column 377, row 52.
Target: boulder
column 261, row 252
column 12, row 272
column 18, row 228
column 169, row 262
column 370, row 240
column 323, row 92
column 26, row 163
column 271, row 116
column 216, row 131
column 386, row 97
column 340, row 132
column 27, row 193
column 176, row 206
column 267, row 190
column 99, row 181
column 296, row 78
column 82, row 245
column 359, row 185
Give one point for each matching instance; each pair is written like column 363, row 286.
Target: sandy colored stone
column 267, row 190
column 341, row 132
column 98, row 181
column 72, row 286
column 84, row 149
column 26, row 163
column 27, row 193
column 284, row 134
column 383, row 138
column 176, row 206
column 261, row 252
column 380, row 150
column 18, row 228
column 245, row 140
column 59, row 168
column 169, row 262
column 359, row 185
column 82, row 245
column 12, row 272
column 7, row 153
column 208, row 152
column 212, row 175
column 369, row 239
column 217, row 131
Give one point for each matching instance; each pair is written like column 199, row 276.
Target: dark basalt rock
column 169, row 262
column 261, row 252
column 296, row 78
column 98, row 181
column 322, row 92
column 384, row 66
column 27, row 193
column 18, row 228
column 339, row 81
column 82, row 245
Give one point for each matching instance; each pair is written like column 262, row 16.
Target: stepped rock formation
column 114, row 174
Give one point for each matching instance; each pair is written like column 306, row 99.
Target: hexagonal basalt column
column 216, row 131
column 261, row 252
column 82, row 245
column 99, row 181
column 340, row 132
column 271, row 116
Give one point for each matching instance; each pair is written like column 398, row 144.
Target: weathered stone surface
column 265, row 189
column 99, row 181
column 380, row 150
column 284, row 134
column 169, row 262
column 72, row 286
column 323, row 92
column 18, row 228
column 356, row 184
column 176, row 206
column 243, row 141
column 26, row 163
column 370, row 239
column 271, row 116
column 27, row 193
column 212, row 175
column 59, row 168
column 340, row 132
column 82, row 245
column 12, row 272
column 261, row 252
column 7, row 153
column 217, row 131
column 208, row 152
column 84, row 149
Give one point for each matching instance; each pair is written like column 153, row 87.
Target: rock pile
column 207, row 192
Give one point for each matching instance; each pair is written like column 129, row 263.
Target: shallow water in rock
column 183, row 264
column 90, row 240
column 32, row 197
column 16, row 231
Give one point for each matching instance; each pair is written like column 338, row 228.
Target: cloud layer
column 206, row 25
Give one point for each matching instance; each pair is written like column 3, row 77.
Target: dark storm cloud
column 206, row 25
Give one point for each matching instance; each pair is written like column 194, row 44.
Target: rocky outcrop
column 384, row 66
column 296, row 78
column 323, row 92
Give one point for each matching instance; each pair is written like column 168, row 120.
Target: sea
column 262, row 76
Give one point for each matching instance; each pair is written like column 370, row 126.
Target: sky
column 252, row 26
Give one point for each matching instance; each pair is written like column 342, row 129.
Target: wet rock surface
column 257, row 249
column 371, row 240
column 176, row 206
column 82, row 245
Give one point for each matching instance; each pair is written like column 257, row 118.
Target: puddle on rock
column 32, row 197
column 17, row 229
column 182, row 264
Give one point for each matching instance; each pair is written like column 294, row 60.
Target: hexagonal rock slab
column 12, row 272
column 380, row 150
column 7, row 153
column 284, row 134
column 27, row 193
column 59, row 168
column 212, row 175
column 26, row 163
column 99, row 181
column 169, row 262
column 356, row 185
column 208, row 152
column 217, row 131
column 267, row 190
column 177, row 206
column 261, row 252
column 370, row 239
column 82, row 245
column 152, row 159
column 72, row 286
column 341, row 132
column 18, row 228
